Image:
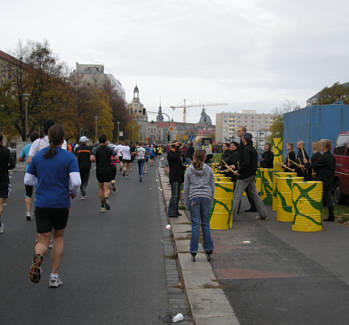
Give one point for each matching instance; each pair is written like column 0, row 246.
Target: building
column 93, row 74
column 8, row 66
column 227, row 124
column 205, row 120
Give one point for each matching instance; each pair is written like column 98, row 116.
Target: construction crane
column 185, row 107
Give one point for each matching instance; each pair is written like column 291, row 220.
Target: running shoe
column 82, row 197
column 55, row 281
column 35, row 270
column 28, row 218
column 2, row 228
column 140, row 179
column 102, row 209
column 106, row 204
column 123, row 174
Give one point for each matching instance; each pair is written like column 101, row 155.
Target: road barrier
column 284, row 198
column 277, row 150
column 275, row 177
column 307, row 206
column 221, row 211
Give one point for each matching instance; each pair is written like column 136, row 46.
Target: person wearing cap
column 246, row 174
column 83, row 154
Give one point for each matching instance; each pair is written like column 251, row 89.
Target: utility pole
column 96, row 119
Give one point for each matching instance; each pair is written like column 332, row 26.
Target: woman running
column 198, row 199
column 50, row 171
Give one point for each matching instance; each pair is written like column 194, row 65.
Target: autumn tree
column 335, row 93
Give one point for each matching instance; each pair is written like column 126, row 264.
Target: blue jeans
column 141, row 163
column 199, row 213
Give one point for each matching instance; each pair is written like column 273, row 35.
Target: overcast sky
column 250, row 54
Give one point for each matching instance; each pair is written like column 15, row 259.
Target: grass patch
column 341, row 212
column 184, row 238
column 181, row 207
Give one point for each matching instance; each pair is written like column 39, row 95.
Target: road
column 113, row 265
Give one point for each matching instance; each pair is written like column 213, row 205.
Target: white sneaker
column 102, row 209
column 55, row 281
column 2, row 228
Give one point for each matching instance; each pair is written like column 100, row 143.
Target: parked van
column 341, row 153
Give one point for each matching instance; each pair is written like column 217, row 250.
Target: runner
column 140, row 155
column 23, row 156
column 43, row 142
column 113, row 160
column 83, row 154
column 102, row 155
column 147, row 154
column 52, row 169
column 151, row 155
column 126, row 158
column 6, row 162
column 119, row 153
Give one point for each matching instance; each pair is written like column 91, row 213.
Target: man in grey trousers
column 246, row 178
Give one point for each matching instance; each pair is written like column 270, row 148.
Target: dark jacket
column 248, row 162
column 300, row 159
column 233, row 159
column 224, row 157
column 314, row 158
column 267, row 159
column 7, row 162
column 83, row 153
column 325, row 167
column 189, row 152
column 292, row 156
column 176, row 166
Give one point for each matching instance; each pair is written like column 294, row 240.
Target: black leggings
column 84, row 174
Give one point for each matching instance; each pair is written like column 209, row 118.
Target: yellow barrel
column 284, row 198
column 277, row 150
column 275, row 176
column 307, row 206
column 258, row 180
column 221, row 212
column 266, row 193
column 222, row 179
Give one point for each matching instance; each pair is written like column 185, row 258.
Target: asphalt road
column 113, row 265
column 273, row 276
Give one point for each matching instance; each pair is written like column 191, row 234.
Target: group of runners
column 57, row 175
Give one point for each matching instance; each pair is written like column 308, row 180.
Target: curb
column 207, row 301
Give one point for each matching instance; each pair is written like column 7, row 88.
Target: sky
column 251, row 54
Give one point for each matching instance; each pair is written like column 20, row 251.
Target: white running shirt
column 42, row 143
column 125, row 151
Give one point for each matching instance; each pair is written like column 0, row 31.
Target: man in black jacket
column 241, row 132
column 246, row 178
column 267, row 159
column 83, row 154
column 6, row 162
column 176, row 167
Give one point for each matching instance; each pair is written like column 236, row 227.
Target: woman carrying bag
column 198, row 199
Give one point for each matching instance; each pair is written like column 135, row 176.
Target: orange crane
column 185, row 107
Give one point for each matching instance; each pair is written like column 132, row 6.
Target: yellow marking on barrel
column 284, row 198
column 307, row 206
column 275, row 177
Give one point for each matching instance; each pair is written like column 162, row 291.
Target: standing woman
column 51, row 170
column 325, row 167
column 198, row 198
column 316, row 155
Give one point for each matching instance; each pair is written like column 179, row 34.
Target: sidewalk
column 208, row 303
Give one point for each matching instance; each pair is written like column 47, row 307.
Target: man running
column 126, row 158
column 83, row 154
column 52, row 169
column 102, row 155
column 140, row 155
column 23, row 156
column 6, row 162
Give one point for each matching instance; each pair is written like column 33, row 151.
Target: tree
column 335, row 93
column 276, row 128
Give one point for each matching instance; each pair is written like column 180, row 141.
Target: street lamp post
column 26, row 97
column 96, row 119
column 117, row 135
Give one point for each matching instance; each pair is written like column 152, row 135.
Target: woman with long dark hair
column 51, row 170
column 198, row 198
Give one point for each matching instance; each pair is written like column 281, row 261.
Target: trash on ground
column 168, row 227
column 246, row 242
column 178, row 318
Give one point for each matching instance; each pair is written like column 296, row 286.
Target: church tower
column 136, row 108
column 160, row 117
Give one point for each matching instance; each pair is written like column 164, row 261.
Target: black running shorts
column 4, row 190
column 104, row 175
column 48, row 219
column 127, row 161
column 28, row 191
